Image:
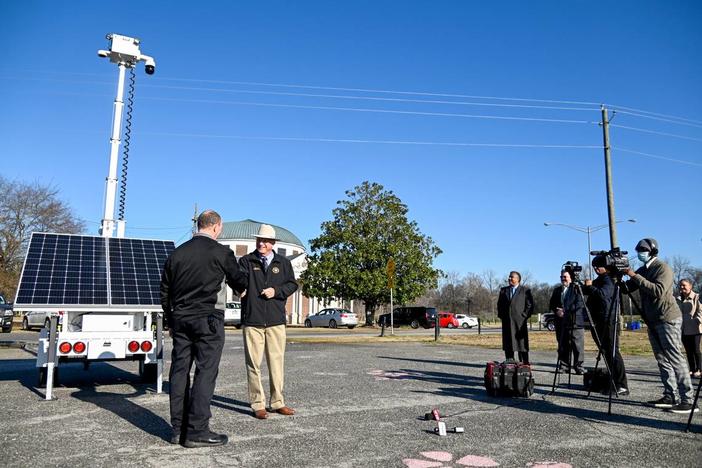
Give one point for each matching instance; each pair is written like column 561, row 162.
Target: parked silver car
column 332, row 318
column 232, row 314
column 35, row 319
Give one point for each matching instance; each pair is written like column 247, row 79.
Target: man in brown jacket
column 654, row 280
column 691, row 308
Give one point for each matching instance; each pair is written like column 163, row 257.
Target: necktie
column 511, row 293
column 263, row 263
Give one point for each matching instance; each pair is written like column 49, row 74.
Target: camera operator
column 567, row 305
column 601, row 304
column 663, row 318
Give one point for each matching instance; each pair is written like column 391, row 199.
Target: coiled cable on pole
column 127, row 138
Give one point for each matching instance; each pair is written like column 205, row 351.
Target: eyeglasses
column 564, row 277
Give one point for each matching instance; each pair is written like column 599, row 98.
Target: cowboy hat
column 266, row 231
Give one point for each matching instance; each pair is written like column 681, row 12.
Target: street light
column 588, row 230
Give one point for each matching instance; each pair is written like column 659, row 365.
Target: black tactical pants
column 198, row 339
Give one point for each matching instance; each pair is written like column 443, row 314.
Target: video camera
column 574, row 269
column 616, row 260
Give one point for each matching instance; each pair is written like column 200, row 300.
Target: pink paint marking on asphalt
column 474, row 460
column 550, row 464
column 440, row 456
column 414, row 463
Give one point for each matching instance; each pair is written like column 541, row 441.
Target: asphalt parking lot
column 358, row 405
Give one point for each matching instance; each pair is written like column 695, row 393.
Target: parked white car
column 232, row 314
column 332, row 318
column 466, row 321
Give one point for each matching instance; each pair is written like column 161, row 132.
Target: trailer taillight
column 146, row 346
column 65, row 347
column 78, row 347
column 133, row 346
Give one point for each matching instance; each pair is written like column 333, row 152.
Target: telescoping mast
column 100, row 293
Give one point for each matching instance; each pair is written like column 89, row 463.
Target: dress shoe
column 579, row 370
column 285, row 411
column 209, row 439
column 622, row 391
column 260, row 414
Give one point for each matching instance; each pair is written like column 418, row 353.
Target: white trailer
column 99, row 294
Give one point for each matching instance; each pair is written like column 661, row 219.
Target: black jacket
column 194, row 277
column 600, row 300
column 256, row 310
column 573, row 306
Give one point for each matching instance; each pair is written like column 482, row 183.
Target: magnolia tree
column 349, row 259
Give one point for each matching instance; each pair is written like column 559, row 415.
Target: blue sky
column 222, row 108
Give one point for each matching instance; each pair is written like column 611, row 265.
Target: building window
column 282, row 252
column 295, row 252
column 240, row 250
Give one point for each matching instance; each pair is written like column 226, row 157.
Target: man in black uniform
column 602, row 303
column 193, row 295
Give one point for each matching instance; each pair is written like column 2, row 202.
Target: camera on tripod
column 574, row 269
column 616, row 261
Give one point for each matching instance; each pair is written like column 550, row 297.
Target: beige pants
column 270, row 340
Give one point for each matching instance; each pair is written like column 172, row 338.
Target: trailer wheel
column 149, row 373
column 41, row 378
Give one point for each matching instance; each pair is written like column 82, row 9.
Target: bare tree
column 681, row 268
column 27, row 208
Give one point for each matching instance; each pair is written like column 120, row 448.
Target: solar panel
column 135, row 270
column 72, row 270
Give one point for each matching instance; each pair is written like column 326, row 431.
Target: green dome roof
column 248, row 228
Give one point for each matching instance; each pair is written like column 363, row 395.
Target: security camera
column 149, row 64
column 103, row 53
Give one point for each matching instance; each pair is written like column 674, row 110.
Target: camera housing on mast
column 125, row 50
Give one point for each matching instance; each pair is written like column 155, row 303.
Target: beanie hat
column 649, row 244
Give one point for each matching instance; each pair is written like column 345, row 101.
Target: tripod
column 559, row 361
column 598, row 343
column 694, row 405
column 612, row 313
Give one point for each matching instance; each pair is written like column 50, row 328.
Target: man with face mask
column 659, row 310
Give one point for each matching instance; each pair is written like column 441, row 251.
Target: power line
column 653, row 132
column 336, row 88
column 356, row 140
column 418, row 143
column 658, row 156
column 384, row 91
column 416, row 93
column 662, row 119
column 657, row 114
column 361, row 109
column 370, row 98
column 327, row 96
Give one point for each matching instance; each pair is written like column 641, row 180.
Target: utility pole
column 608, row 174
column 194, row 219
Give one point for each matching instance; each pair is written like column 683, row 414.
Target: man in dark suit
column 567, row 305
column 514, row 306
column 193, row 294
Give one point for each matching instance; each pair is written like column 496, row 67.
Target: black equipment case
column 509, row 378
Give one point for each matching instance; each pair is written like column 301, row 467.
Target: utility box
column 108, row 322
